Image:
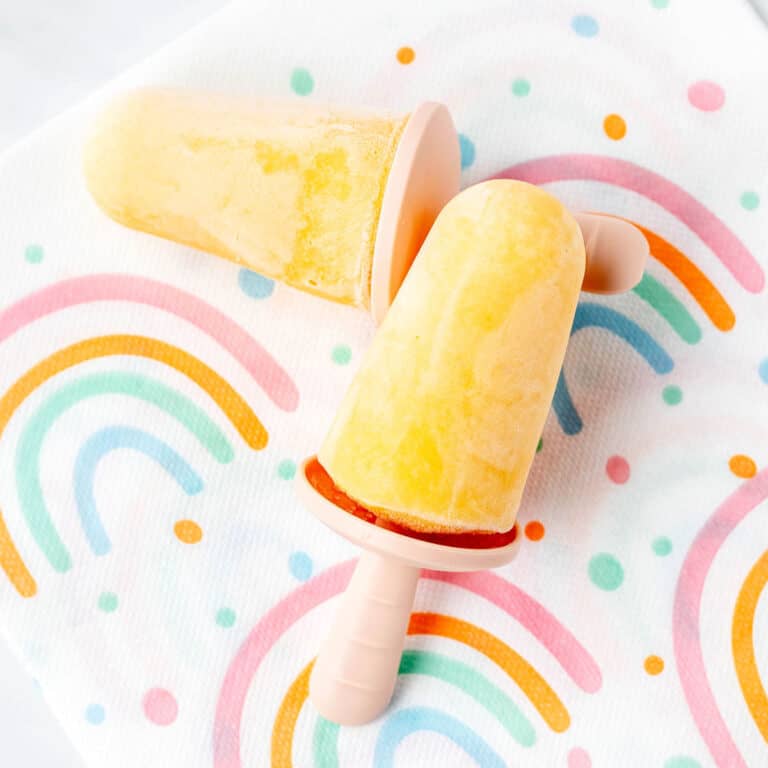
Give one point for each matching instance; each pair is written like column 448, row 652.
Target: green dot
column 672, row 395
column 341, row 354
column 659, row 3
column 521, row 87
column 662, row 546
column 34, row 253
column 606, row 572
column 750, row 200
column 286, row 469
column 108, row 602
column 225, row 617
column 540, row 445
column 302, row 82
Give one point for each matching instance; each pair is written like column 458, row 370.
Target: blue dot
column 95, row 714
column 763, row 369
column 585, row 26
column 302, row 82
column 467, row 151
column 226, row 617
column 300, row 564
column 287, row 469
column 341, row 354
column 255, row 285
column 662, row 546
column 34, row 253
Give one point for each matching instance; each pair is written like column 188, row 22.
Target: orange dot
column 614, row 126
column 742, row 466
column 188, row 531
column 405, row 55
column 654, row 665
column 534, row 530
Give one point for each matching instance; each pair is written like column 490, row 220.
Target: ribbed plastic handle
column 356, row 670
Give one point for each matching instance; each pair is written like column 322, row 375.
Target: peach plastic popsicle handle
column 356, row 669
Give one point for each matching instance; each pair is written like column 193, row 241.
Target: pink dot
column 579, row 758
column 617, row 469
column 160, row 706
column 706, row 95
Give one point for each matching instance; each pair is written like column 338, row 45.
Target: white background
column 52, row 54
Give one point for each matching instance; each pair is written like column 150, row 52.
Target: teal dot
column 521, row 87
column 95, row 714
column 300, row 564
column 341, row 354
column 606, row 572
column 108, row 602
column 34, row 253
column 302, row 82
column 585, row 26
column 750, row 200
column 762, row 369
column 660, row 4
column 286, row 469
column 467, row 151
column 226, row 617
column 255, row 285
column 682, row 762
column 672, row 395
column 662, row 546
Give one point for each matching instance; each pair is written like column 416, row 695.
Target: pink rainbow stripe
column 610, row 170
column 265, row 370
column 687, row 614
column 571, row 655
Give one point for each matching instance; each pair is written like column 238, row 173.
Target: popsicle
column 425, row 463
column 332, row 201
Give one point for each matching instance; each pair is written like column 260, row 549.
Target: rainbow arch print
column 563, row 646
column 686, row 620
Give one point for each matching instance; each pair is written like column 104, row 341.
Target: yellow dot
column 742, row 466
column 614, row 126
column 654, row 665
column 405, row 55
column 188, row 531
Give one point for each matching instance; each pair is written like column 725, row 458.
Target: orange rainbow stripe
column 533, row 685
column 743, row 643
column 231, row 403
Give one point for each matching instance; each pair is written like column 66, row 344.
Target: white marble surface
column 52, row 54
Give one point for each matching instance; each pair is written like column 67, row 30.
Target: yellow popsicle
column 292, row 191
column 440, row 425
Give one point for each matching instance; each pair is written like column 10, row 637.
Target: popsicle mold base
column 356, row 669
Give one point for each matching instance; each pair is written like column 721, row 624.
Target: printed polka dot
column 672, row 395
column 255, row 285
column 660, row 4
column 585, row 26
column 302, row 82
column 681, row 761
column 579, row 758
column 749, row 200
column 521, row 87
column 617, row 469
column 661, row 546
column 762, row 369
column 188, row 531
column 405, row 55
column 34, row 253
column 108, row 602
column 614, row 126
column 226, row 617
column 742, row 466
column 341, row 354
column 654, row 665
column 300, row 565
column 286, row 469
column 605, row 572
column 160, row 706
column 95, row 714
column 706, row 96
column 534, row 530
column 467, row 151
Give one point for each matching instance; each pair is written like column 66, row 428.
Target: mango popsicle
column 293, row 191
column 440, row 425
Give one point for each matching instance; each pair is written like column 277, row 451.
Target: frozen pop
column 294, row 191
